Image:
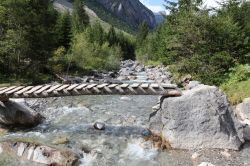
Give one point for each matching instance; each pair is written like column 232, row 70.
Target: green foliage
column 237, row 87
column 194, row 41
column 124, row 42
column 95, row 33
column 64, row 30
column 142, row 33
column 91, row 52
column 111, row 36
column 238, row 74
column 58, row 61
column 108, row 17
column 27, row 36
column 79, row 17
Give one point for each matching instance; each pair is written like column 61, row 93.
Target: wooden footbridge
column 44, row 91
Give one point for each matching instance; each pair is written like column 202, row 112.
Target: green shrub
column 237, row 87
column 92, row 55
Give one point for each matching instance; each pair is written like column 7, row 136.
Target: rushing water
column 122, row 143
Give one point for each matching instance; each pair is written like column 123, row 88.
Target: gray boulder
column 243, row 113
column 200, row 118
column 243, row 109
column 18, row 114
column 192, row 84
column 38, row 154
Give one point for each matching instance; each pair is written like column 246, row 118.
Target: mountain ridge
column 130, row 11
column 123, row 14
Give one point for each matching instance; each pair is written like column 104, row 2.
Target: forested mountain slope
column 125, row 15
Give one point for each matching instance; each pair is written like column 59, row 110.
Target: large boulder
column 243, row 109
column 18, row 114
column 39, row 154
column 200, row 118
column 243, row 112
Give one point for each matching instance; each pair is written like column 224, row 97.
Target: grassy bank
column 237, row 91
column 237, row 87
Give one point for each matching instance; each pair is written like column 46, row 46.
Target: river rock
column 38, row 153
column 60, row 140
column 125, row 98
column 18, row 114
column 200, row 118
column 243, row 113
column 192, row 84
column 139, row 68
column 99, row 126
column 243, row 109
column 126, row 72
column 195, row 156
column 206, row 164
column 225, row 153
column 246, row 129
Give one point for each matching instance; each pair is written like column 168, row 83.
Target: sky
column 154, row 5
column 157, row 5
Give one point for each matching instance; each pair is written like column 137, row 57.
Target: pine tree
column 142, row 33
column 64, row 30
column 31, row 24
column 111, row 36
column 80, row 19
column 95, row 33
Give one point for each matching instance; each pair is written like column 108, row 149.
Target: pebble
column 195, row 156
column 1, row 149
column 225, row 153
column 60, row 140
column 206, row 164
column 124, row 98
column 156, row 107
column 146, row 133
column 3, row 131
column 99, row 126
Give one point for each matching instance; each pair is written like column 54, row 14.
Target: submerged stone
column 99, row 126
column 60, row 140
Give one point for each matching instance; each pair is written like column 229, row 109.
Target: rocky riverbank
column 197, row 126
column 130, row 71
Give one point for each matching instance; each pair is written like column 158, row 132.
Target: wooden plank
column 171, row 86
column 112, row 85
column 14, row 90
column 124, row 86
column 80, row 86
column 155, row 86
column 34, row 89
column 42, row 89
column 53, row 88
column 72, row 87
column 62, row 87
column 6, row 90
column 135, row 85
column 23, row 90
column 145, row 86
column 3, row 88
column 102, row 86
column 91, row 86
